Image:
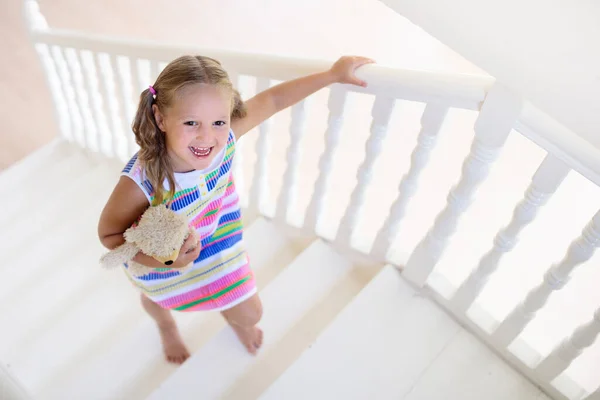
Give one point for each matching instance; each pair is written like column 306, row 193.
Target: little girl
column 187, row 125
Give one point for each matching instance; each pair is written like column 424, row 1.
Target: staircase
column 396, row 254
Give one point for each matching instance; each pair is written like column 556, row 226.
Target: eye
column 220, row 123
column 190, row 123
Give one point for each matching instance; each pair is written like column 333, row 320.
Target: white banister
column 138, row 84
column 500, row 110
column 290, row 178
column 431, row 122
column 238, row 160
column 544, row 183
column 336, row 104
column 569, row 349
column 153, row 71
column 108, row 108
column 555, row 278
column 258, row 191
column 381, row 114
column 90, row 77
column 126, row 112
column 69, row 90
column 82, row 97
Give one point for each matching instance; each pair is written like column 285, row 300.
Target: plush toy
column 160, row 233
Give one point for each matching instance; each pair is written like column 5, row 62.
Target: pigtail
column 238, row 107
column 153, row 148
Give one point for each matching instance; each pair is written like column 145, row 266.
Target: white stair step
column 66, row 203
column 30, row 165
column 46, row 182
column 377, row 347
column 216, row 367
column 134, row 365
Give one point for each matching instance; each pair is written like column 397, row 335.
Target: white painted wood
column 124, row 107
column 154, row 71
column 34, row 19
column 496, row 119
column 431, row 122
column 109, row 140
column 285, row 301
column 468, row 370
column 544, row 183
column 289, row 187
column 238, row 160
column 29, row 166
column 65, row 83
column 137, row 86
column 90, row 78
column 569, row 349
column 259, row 188
column 336, row 103
column 377, row 347
column 381, row 114
column 555, row 278
column 10, row 389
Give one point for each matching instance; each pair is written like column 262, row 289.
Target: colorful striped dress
column 221, row 276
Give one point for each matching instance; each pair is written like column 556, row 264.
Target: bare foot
column 173, row 346
column 251, row 338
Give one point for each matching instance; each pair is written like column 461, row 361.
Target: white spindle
column 65, row 82
column 91, row 80
column 137, row 86
column 74, row 65
column 431, row 122
column 336, row 103
column 381, row 114
column 258, row 192
column 57, row 91
column 124, row 105
column 555, row 278
column 290, row 178
column 496, row 119
column 108, row 107
column 569, row 349
column 544, row 183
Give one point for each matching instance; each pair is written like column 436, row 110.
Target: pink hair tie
column 152, row 90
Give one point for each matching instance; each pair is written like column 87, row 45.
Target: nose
column 169, row 262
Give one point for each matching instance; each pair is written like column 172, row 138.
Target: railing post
column 431, row 122
column 336, row 103
column 555, row 278
column 500, row 110
column 381, row 114
column 544, row 183
column 290, row 179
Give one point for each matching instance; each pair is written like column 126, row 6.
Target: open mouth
column 201, row 152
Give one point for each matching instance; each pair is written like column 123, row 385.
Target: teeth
column 200, row 151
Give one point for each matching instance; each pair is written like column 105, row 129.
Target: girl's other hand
column 343, row 70
column 189, row 252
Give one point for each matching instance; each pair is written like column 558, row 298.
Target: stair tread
column 135, row 358
column 285, row 301
column 21, row 169
column 414, row 344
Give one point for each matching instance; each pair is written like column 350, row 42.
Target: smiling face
column 196, row 125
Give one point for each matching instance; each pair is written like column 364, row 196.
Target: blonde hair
column 183, row 71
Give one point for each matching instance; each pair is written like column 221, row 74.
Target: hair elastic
column 153, row 91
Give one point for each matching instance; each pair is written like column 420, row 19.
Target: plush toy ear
column 119, row 255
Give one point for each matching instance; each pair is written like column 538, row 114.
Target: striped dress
column 221, row 276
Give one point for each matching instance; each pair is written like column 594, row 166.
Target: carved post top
column 34, row 18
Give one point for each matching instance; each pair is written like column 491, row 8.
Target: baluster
column 496, row 119
column 290, row 179
column 57, row 91
column 238, row 160
column 88, row 76
column 65, row 78
column 544, row 183
column 381, row 114
column 74, row 65
column 137, row 86
column 431, row 122
column 153, row 70
column 109, row 107
column 569, row 349
column 336, row 103
column 555, row 278
column 258, row 192
column 124, row 105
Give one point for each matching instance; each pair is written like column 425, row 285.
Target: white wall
column 549, row 50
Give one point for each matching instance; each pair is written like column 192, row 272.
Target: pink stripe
column 207, row 290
